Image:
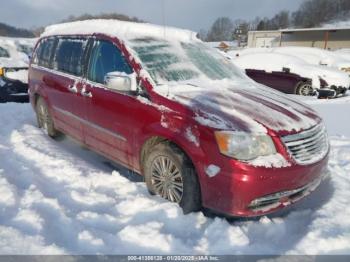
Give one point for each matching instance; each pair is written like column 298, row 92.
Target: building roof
column 314, row 29
column 121, row 29
column 290, row 30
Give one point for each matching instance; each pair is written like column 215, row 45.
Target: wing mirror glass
column 121, row 82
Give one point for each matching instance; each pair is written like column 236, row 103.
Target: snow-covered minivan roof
column 121, row 29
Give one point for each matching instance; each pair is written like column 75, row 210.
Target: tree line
column 311, row 13
column 7, row 30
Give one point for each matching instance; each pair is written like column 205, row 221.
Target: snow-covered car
column 316, row 56
column 15, row 54
column 160, row 102
column 310, row 55
column 14, row 84
column 322, row 77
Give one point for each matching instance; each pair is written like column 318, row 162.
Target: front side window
column 4, row 53
column 106, row 58
column 69, row 56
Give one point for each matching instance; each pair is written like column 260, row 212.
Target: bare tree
column 221, row 30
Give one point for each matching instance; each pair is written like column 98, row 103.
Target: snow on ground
column 56, row 197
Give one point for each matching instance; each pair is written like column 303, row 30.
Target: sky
column 190, row 14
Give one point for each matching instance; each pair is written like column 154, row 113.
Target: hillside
column 10, row 31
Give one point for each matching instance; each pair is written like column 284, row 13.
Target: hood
column 256, row 110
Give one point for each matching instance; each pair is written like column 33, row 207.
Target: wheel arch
column 154, row 140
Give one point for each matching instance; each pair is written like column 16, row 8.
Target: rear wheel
column 304, row 89
column 170, row 174
column 44, row 118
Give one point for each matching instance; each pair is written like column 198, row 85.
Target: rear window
column 69, row 56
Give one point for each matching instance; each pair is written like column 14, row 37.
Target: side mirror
column 121, row 82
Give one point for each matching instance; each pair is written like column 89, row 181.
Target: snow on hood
column 269, row 62
column 242, row 106
column 121, row 29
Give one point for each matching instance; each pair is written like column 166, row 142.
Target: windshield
column 169, row 61
column 4, row 53
column 27, row 49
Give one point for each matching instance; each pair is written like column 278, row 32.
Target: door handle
column 73, row 89
column 86, row 93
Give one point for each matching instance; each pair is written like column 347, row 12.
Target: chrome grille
column 308, row 147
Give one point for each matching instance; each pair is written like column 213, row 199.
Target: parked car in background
column 285, row 82
column 15, row 54
column 14, row 85
column 168, row 107
column 323, row 79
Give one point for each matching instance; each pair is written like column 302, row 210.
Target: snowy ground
column 57, row 197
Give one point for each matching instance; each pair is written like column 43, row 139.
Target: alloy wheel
column 167, row 180
column 306, row 90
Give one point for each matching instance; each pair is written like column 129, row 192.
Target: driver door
column 109, row 112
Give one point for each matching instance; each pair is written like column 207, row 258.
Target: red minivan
column 158, row 101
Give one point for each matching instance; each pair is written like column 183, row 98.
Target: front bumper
column 331, row 92
column 285, row 198
column 246, row 191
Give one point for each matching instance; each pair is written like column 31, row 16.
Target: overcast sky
column 192, row 14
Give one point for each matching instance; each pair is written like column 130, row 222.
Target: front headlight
column 244, row 146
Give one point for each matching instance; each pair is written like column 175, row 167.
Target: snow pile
column 18, row 49
column 122, row 30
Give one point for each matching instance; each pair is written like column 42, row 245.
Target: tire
column 304, row 89
column 44, row 118
column 180, row 171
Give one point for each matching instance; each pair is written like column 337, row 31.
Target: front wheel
column 170, row 174
column 44, row 118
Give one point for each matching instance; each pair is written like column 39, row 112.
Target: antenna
column 163, row 17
